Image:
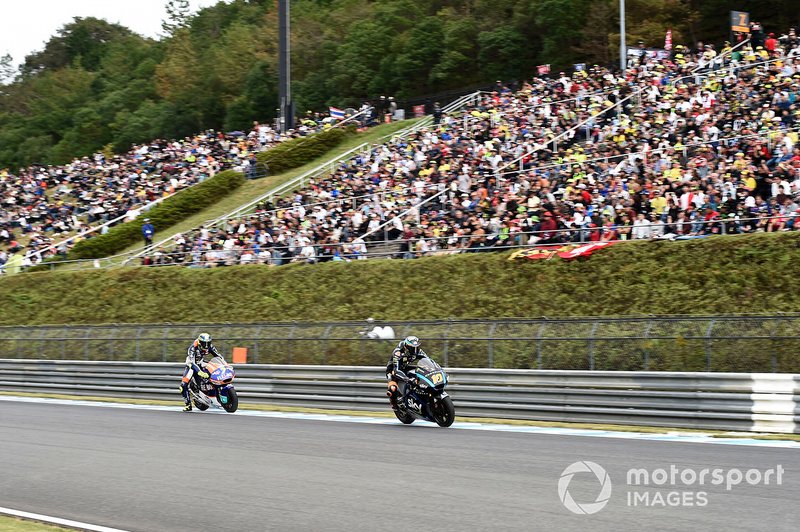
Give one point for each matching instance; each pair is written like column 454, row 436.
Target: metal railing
column 685, row 150
column 365, row 248
column 648, row 343
column 723, row 401
column 720, row 59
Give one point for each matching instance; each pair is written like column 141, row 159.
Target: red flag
column 583, row 250
column 543, row 69
column 668, row 41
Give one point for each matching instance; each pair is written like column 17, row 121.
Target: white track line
column 57, row 521
column 674, row 436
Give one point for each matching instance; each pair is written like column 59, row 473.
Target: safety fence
column 647, row 343
column 724, row 401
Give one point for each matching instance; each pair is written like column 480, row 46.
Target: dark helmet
column 204, row 341
column 411, row 345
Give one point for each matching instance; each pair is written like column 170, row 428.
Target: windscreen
column 217, row 361
column 427, row 365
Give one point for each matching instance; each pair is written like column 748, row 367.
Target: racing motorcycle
column 217, row 386
column 424, row 396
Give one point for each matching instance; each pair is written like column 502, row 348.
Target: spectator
column 148, row 231
column 14, row 263
column 437, row 114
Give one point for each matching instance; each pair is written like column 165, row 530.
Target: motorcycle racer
column 195, row 365
column 407, row 351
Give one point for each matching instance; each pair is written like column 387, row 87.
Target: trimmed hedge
column 169, row 212
column 716, row 275
column 297, row 152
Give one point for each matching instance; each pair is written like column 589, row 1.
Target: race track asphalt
column 145, row 470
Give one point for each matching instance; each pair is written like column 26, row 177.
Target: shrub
column 297, row 152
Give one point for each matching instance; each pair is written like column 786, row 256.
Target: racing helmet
column 411, row 345
column 204, row 341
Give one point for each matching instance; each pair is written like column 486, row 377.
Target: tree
column 83, row 41
column 179, row 77
column 558, row 21
column 178, row 13
column 499, row 55
column 595, row 46
column 7, row 69
column 423, row 48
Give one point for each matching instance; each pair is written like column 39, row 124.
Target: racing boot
column 392, row 394
column 185, row 393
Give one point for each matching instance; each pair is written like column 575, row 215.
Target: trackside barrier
column 758, row 402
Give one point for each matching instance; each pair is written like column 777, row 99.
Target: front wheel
column 444, row 413
column 232, row 403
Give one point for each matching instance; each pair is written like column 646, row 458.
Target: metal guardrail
column 645, row 343
column 723, row 401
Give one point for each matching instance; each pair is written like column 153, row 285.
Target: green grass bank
column 735, row 274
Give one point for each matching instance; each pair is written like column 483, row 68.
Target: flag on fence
column 533, row 254
column 338, row 114
column 579, row 67
column 668, row 41
column 582, row 251
column 543, row 69
column 566, row 252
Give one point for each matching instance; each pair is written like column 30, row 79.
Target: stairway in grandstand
column 384, row 250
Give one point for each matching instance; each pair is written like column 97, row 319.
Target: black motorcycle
column 423, row 396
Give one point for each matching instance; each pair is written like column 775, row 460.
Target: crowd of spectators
column 700, row 142
column 694, row 144
column 50, row 205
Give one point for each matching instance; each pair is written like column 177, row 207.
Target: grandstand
column 694, row 145
column 671, row 149
column 47, row 209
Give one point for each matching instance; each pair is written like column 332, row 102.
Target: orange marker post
column 240, row 355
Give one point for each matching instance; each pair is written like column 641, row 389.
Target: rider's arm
column 397, row 356
column 190, row 360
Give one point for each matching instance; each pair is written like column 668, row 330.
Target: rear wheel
column 404, row 417
column 201, row 406
column 445, row 412
column 232, row 404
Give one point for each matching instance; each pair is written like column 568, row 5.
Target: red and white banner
column 543, row 69
column 419, row 110
column 582, row 251
column 567, row 252
column 668, row 41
